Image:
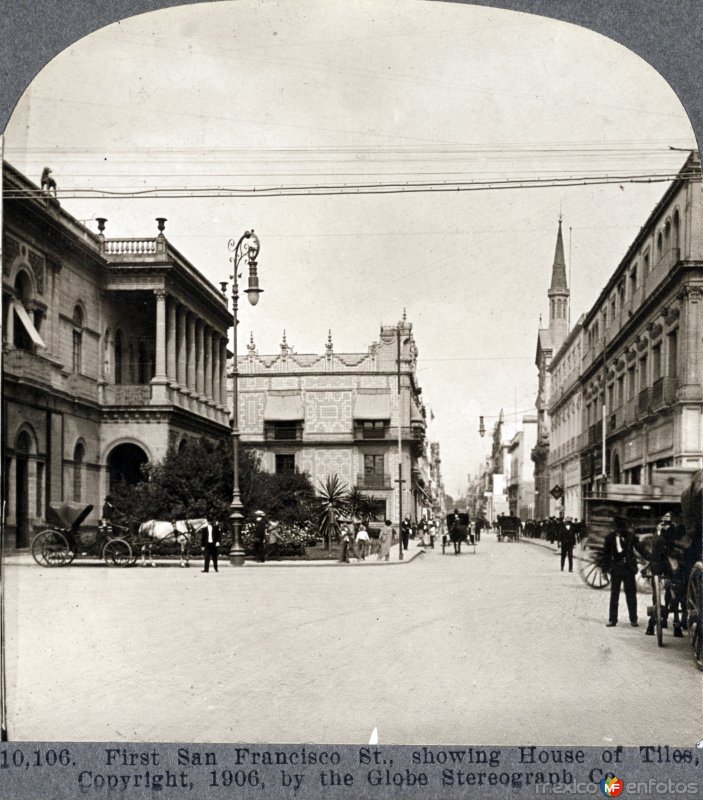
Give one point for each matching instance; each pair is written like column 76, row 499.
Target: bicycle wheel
column 693, row 606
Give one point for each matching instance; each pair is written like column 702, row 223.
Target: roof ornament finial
column 329, row 345
column 405, row 315
column 285, row 341
column 251, row 347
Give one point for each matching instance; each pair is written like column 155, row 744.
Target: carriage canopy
column 67, row 515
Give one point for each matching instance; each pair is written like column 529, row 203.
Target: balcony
column 127, row 394
column 366, row 434
column 373, row 480
column 595, row 433
column 643, row 402
column 664, row 392
column 279, row 432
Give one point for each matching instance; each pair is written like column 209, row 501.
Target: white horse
column 180, row 532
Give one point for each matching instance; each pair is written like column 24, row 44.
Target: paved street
column 498, row 647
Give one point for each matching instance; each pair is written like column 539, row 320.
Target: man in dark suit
column 568, row 540
column 620, row 561
column 260, row 531
column 210, row 540
column 405, row 530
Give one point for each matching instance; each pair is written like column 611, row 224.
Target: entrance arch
column 124, row 464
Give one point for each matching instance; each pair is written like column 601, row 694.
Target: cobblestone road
column 498, row 647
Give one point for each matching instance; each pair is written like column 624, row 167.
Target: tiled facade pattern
column 329, row 440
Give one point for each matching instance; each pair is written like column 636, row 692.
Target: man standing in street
column 405, row 529
column 620, row 561
column 568, row 540
column 260, row 530
column 210, row 540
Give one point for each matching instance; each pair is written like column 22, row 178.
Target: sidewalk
column 371, row 560
column 25, row 559
column 554, row 547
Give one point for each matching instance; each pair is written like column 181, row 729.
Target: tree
column 196, row 481
column 365, row 506
column 331, row 500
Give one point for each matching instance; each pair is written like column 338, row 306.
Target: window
column 656, row 362
column 78, row 456
column 285, row 463
column 118, row 357
column 631, row 385
column 676, row 240
column 284, row 430
column 373, row 464
column 621, row 389
column 673, row 338
column 643, row 373
column 77, row 360
column 645, row 263
column 611, row 398
column 621, row 293
column 633, row 280
column 660, row 245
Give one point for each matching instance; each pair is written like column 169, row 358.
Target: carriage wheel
column 658, row 621
column 51, row 549
column 118, row 553
column 693, row 606
column 593, row 575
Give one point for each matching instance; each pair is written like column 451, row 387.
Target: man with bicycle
column 663, row 566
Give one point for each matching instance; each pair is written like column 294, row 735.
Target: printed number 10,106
column 38, row 758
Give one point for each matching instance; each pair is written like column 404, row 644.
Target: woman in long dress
column 385, row 538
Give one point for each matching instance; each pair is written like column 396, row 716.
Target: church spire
column 558, row 294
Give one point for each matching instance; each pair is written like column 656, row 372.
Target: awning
column 372, row 406
column 415, row 414
column 284, row 407
column 28, row 324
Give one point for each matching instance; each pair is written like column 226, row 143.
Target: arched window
column 667, row 235
column 78, row 458
column 660, row 244
column 77, row 361
column 676, row 241
column 118, row 357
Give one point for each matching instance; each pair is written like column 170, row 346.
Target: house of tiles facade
column 338, row 414
column 113, row 350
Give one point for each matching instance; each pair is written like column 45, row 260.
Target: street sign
column 556, row 492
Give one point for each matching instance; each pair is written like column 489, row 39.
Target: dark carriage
column 459, row 529
column 63, row 542
column 509, row 529
column 642, row 517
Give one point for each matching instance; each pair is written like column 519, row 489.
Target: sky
column 235, row 95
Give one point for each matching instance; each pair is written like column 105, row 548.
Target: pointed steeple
column 558, row 295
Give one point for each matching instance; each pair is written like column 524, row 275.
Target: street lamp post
column 248, row 246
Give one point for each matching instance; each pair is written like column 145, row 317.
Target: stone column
column 171, row 370
column 223, row 375
column 190, row 371
column 159, row 383
column 199, row 358
column 181, row 354
column 207, row 363
column 216, row 371
column 690, row 377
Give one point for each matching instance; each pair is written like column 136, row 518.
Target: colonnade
column 191, row 356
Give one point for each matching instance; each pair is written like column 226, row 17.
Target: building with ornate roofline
column 338, row 413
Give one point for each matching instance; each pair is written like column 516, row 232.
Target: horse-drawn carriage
column 459, row 531
column 683, row 587
column 509, row 529
column 64, row 541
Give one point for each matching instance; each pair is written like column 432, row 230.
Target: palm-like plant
column 363, row 506
column 332, row 503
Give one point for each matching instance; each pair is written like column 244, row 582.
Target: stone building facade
column 566, row 425
column 338, row 414
column 642, row 349
column 113, row 350
column 521, row 485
